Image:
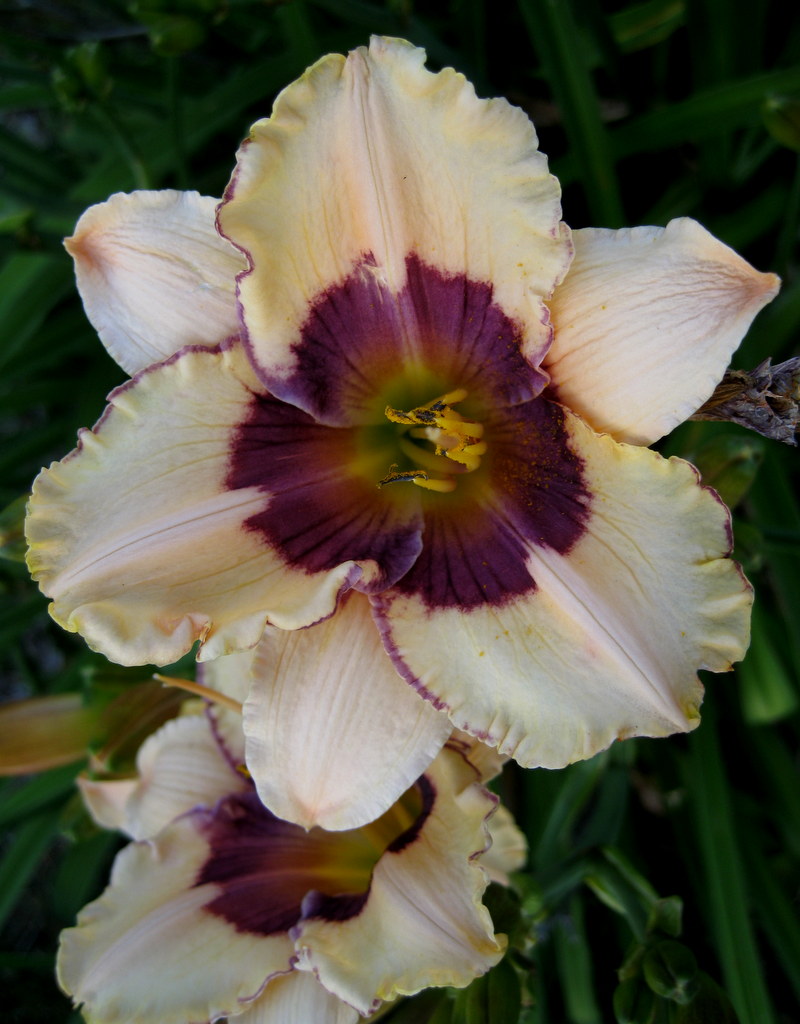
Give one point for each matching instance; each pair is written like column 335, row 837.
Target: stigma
column 439, row 442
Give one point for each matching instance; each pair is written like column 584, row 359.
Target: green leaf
column 666, row 916
column 782, row 120
column 574, row 962
column 710, row 1005
column 12, row 538
column 729, row 463
column 670, row 969
column 82, row 873
column 643, row 25
column 28, row 847
column 504, row 909
column 723, row 874
column 556, row 38
column 494, row 998
column 19, row 800
column 727, row 106
column 30, row 286
column 768, row 693
column 634, row 1003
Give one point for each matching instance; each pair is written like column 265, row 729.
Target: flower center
column 440, row 443
column 266, row 869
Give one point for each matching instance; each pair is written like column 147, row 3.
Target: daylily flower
column 223, row 909
column 393, row 371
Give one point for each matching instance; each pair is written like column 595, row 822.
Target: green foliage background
column 648, row 111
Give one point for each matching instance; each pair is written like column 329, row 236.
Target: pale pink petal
column 334, row 735
column 645, row 325
column 155, row 275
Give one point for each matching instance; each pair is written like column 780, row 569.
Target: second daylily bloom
column 421, row 401
column 223, row 909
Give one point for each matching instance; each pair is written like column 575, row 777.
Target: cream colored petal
column 146, row 952
column 486, row 761
column 141, row 543
column 375, row 155
column 509, row 849
column 334, row 735
column 297, row 998
column 608, row 643
column 155, row 275
column 106, row 800
column 230, row 675
column 645, row 325
column 180, row 767
column 424, row 923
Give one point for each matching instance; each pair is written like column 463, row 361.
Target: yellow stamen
column 433, row 463
column 460, row 427
column 469, row 455
column 432, row 483
column 394, row 476
column 454, row 438
column 201, row 691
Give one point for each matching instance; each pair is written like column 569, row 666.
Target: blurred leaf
column 727, row 106
column 30, row 286
column 729, row 463
column 574, row 964
column 634, row 1002
column 710, row 1005
column 782, row 119
column 768, row 693
column 12, row 539
column 432, row 1006
column 775, row 905
column 20, row 800
column 504, row 909
column 555, row 37
column 640, row 26
column 81, row 77
column 171, row 34
column 80, row 875
column 494, row 998
column 723, row 875
column 28, row 846
column 666, row 916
